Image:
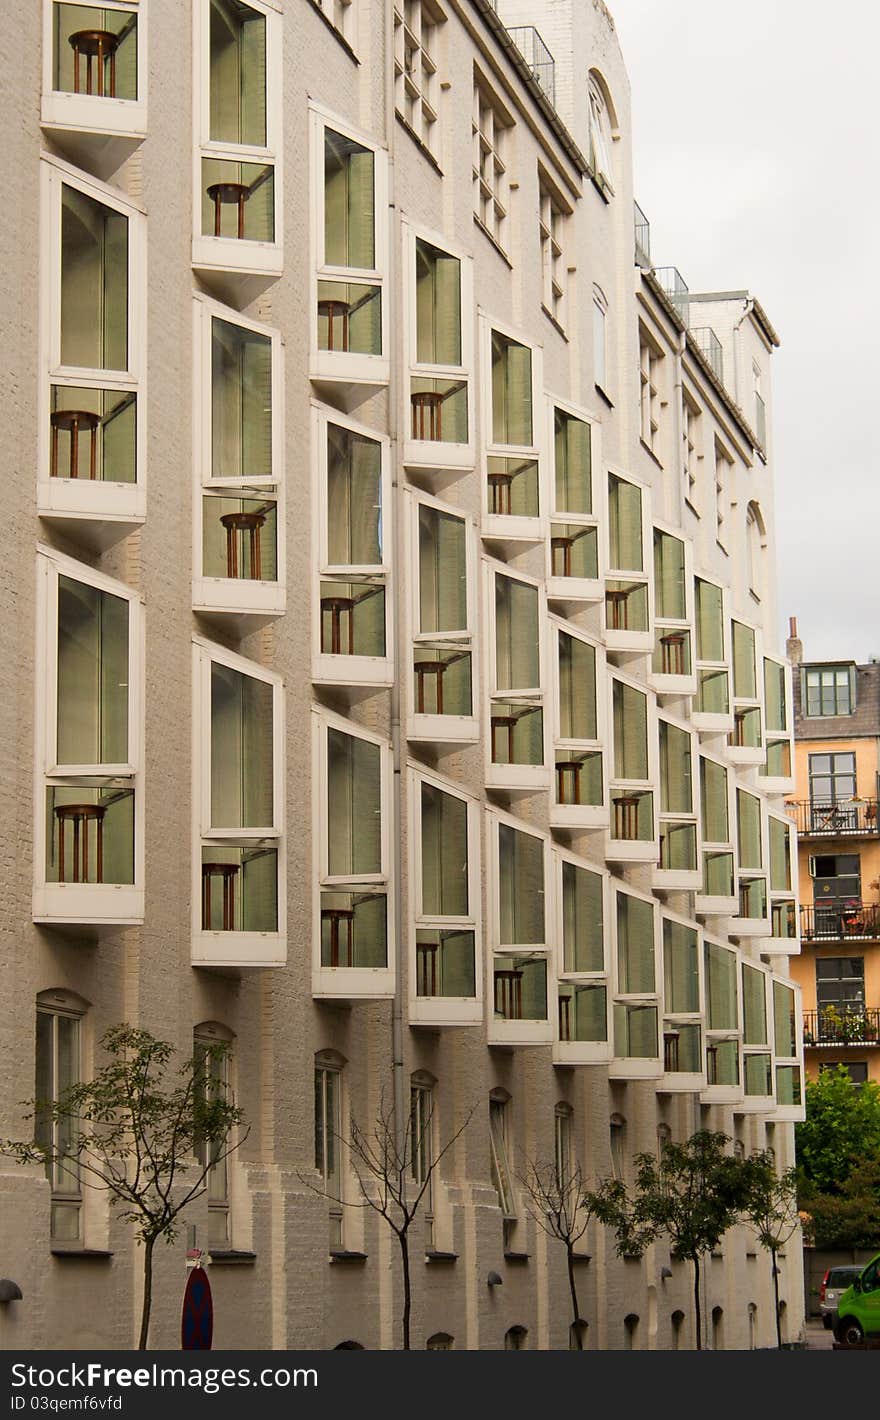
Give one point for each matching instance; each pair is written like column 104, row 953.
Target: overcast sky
column 757, row 160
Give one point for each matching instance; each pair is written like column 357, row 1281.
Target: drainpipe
column 747, row 310
column 390, row 296
column 678, row 424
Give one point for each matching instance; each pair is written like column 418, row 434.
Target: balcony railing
column 643, row 238
column 538, row 57
column 839, row 820
column 709, row 346
column 676, row 290
column 839, row 921
column 842, row 1025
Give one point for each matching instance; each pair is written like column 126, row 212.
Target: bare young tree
column 394, row 1168
column 555, row 1201
column 771, row 1211
column 148, row 1141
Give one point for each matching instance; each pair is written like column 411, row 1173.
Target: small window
column 499, row 1157
column 563, row 1155
column 440, row 1341
column 328, row 1139
column 416, row 29
column 551, row 229
column 421, row 1148
column 338, row 13
column 617, row 1130
column 600, row 135
column 692, row 447
column 600, row 338
column 58, row 1069
column 829, row 690
column 212, row 1081
column 491, row 135
column 515, row 1339
column 650, row 357
column 723, row 492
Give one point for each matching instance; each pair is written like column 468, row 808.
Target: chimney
column 794, row 647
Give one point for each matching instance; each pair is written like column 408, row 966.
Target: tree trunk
column 407, row 1296
column 776, row 1299
column 697, row 1314
column 148, row 1293
column 575, row 1310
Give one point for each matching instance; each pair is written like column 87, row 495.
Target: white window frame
column 517, row 1032
column 252, row 600
column 328, row 669
column 650, row 402
column 116, row 904
column 624, row 639
column 758, row 1104
column 205, row 1035
column 438, row 455
column 601, row 136
column 685, row 880
column 55, row 1004
column 692, row 452
column 711, row 903
column 633, row 850
column 514, row 776
column 676, row 684
column 577, row 815
column 781, row 783
column 505, row 527
column 788, row 1113
column 753, row 926
column 724, row 1094
column 723, row 478
column 496, row 140
column 92, row 511
column 418, row 84
column 87, row 114
column 580, row 1052
column 576, row 589
column 743, row 754
column 553, row 215
column 219, row 948
column 357, row 982
column 706, row 721
column 348, row 367
column 627, row 1067
column 444, row 1010
column 246, row 257
column 600, row 339
column 680, row 1081
column 329, row 1063
column 441, row 729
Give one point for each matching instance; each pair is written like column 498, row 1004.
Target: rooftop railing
column 538, row 57
column 709, row 346
column 643, row 237
column 676, row 289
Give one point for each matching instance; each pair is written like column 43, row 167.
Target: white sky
column 757, row 161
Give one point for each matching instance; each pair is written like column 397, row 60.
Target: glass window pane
column 788, row 1084
column 630, row 732
column 582, row 919
column 713, row 791
column 516, row 635
column 238, row 200
column 718, row 875
column 754, row 1006
column 90, row 834
column 517, row 733
column 354, row 499
column 710, row 621
column 785, row 1031
column 241, row 750
column 513, row 486
column 521, row 887
column 635, row 945
column 511, row 391
column 748, row 817
column 780, row 856
column 676, row 782
column 775, row 706
column 93, row 675
column 93, row 434
column 444, row 854
column 574, row 550
column 678, row 846
column 352, row 618
column 722, row 1062
column 583, row 1013
column 744, row 680
column 241, row 402
column 445, row 963
column 438, row 306
column 520, row 986
column 669, row 592
column 354, row 929
column 681, row 972
column 573, row 464
column 239, row 538
column 442, row 680
column 625, row 525
column 439, row 407
column 577, row 689
column 238, row 74
column 349, row 212
column 94, row 283
column 635, row 1032
column 354, row 812
column 758, row 1075
column 79, row 67
column 721, row 998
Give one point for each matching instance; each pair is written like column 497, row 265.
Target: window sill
column 85, row 1254
column 517, row 1256
column 650, row 452
column 343, row 1254
column 578, row 1257
column 496, row 244
column 606, row 398
column 689, row 505
column 433, row 1255
column 419, row 142
column 554, row 322
column 337, row 34
column 231, row 1257
column 603, row 187
column 721, row 547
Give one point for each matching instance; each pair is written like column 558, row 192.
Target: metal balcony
column 851, row 818
column 538, row 57
column 709, row 346
column 643, row 238
column 675, row 289
column 840, row 922
column 852, row 1024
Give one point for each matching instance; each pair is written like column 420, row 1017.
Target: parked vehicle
column 858, row 1308
column 833, row 1285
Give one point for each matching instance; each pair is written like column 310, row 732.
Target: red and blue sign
column 197, row 1318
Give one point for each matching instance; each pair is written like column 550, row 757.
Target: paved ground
column 818, row 1339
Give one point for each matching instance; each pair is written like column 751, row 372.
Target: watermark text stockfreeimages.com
column 94, row 1375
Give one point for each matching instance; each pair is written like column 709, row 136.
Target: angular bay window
column 91, row 457
column 574, row 531
column 713, row 681
column 678, row 824
column 785, row 1037
column 757, row 1064
column 443, row 618
column 350, row 256
column 578, row 763
column 747, row 732
column 352, row 856
column 627, row 597
column 635, row 1005
column 353, row 633
column 238, row 121
column 94, row 78
column 58, row 1069
column 513, row 482
column 672, row 648
column 519, row 960
column 583, row 994
column 722, row 1016
column 516, row 704
column 447, row 901
column 441, row 356
column 632, row 798
column 89, row 809
column 682, row 1032
column 240, row 902
column 778, row 722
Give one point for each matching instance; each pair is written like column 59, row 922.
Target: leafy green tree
column 850, row 1218
column 841, row 1130
column 693, row 1192
column 771, row 1210
column 145, row 1134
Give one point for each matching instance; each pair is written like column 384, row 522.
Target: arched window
column 756, row 542
column 422, row 1152
column 753, row 1326
column 577, row 1335
column 717, row 1328
column 601, row 125
column 617, row 1129
column 329, row 1066
column 58, row 1069
column 214, row 1082
column 515, row 1339
column 664, row 1139
column 440, row 1341
column 600, row 338
column 348, row 1346
column 631, row 1332
column 677, row 1329
column 564, row 1159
